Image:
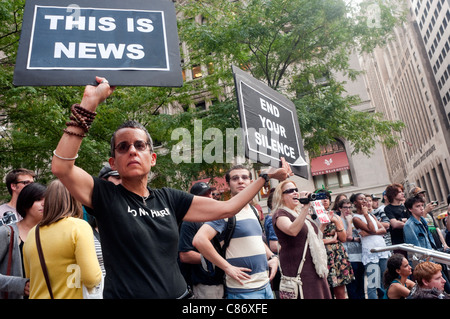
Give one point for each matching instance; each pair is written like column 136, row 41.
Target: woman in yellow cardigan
column 68, row 248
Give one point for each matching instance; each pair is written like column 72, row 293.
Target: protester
column 395, row 278
column 108, row 174
column 396, row 212
column 206, row 282
column 430, row 283
column 433, row 226
column 371, row 232
column 30, row 204
column 302, row 250
column 340, row 272
column 355, row 289
column 16, row 180
column 337, row 199
column 68, row 249
column 415, row 230
column 138, row 225
column 248, row 262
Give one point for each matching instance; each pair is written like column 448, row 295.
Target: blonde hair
column 425, row 271
column 59, row 203
column 277, row 199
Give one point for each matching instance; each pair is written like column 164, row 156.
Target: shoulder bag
column 42, row 260
column 291, row 287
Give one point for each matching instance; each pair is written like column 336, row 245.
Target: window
column 196, row 72
column 335, row 179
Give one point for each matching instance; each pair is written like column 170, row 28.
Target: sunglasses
column 290, row 190
column 139, row 145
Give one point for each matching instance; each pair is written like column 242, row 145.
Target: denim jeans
column 374, row 273
column 355, row 289
column 263, row 293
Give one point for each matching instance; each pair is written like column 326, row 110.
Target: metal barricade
column 437, row 256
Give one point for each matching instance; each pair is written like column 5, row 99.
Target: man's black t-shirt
column 140, row 240
column 396, row 212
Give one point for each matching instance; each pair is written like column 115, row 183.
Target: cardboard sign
column 270, row 124
column 322, row 215
column 131, row 43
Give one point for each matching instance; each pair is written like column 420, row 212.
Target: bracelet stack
column 81, row 118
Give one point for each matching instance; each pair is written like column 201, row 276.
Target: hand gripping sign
column 270, row 124
column 133, row 42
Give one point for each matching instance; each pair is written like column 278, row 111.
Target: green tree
column 290, row 45
column 287, row 44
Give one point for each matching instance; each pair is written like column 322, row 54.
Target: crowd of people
column 82, row 232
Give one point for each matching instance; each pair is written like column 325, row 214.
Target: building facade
column 403, row 80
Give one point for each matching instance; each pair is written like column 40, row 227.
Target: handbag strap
column 10, row 253
column 42, row 260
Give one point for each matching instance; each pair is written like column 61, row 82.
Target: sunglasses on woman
column 290, row 190
column 139, row 145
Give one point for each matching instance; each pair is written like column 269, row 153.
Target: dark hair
column 337, row 200
column 31, row 193
column 269, row 199
column 235, row 167
column 392, row 191
column 393, row 264
column 412, row 200
column 343, row 201
column 354, row 196
column 130, row 124
column 11, row 177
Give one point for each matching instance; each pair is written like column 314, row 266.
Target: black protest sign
column 270, row 124
column 131, row 43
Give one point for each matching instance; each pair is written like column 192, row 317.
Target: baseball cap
column 106, row 172
column 199, row 188
column 375, row 197
column 416, row 190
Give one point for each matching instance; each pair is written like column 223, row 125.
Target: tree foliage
column 287, row 44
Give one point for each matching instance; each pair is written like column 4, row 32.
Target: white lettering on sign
column 95, row 50
column 272, row 126
column 274, row 145
column 71, row 22
column 269, row 107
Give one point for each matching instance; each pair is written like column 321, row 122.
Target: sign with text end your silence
column 270, row 124
column 67, row 42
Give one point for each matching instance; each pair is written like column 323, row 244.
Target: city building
column 407, row 81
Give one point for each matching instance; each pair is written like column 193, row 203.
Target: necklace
column 144, row 198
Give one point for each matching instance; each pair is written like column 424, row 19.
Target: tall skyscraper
column 407, row 81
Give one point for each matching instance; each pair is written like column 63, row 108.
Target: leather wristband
column 265, row 176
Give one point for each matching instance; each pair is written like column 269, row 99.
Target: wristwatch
column 265, row 176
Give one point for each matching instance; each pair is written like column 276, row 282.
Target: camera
column 312, row 197
column 8, row 218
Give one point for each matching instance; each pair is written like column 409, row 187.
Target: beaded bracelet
column 73, row 133
column 81, row 118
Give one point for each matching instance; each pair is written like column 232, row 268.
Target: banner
column 270, row 124
column 131, row 43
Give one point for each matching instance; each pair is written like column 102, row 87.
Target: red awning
column 331, row 163
column 219, row 183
